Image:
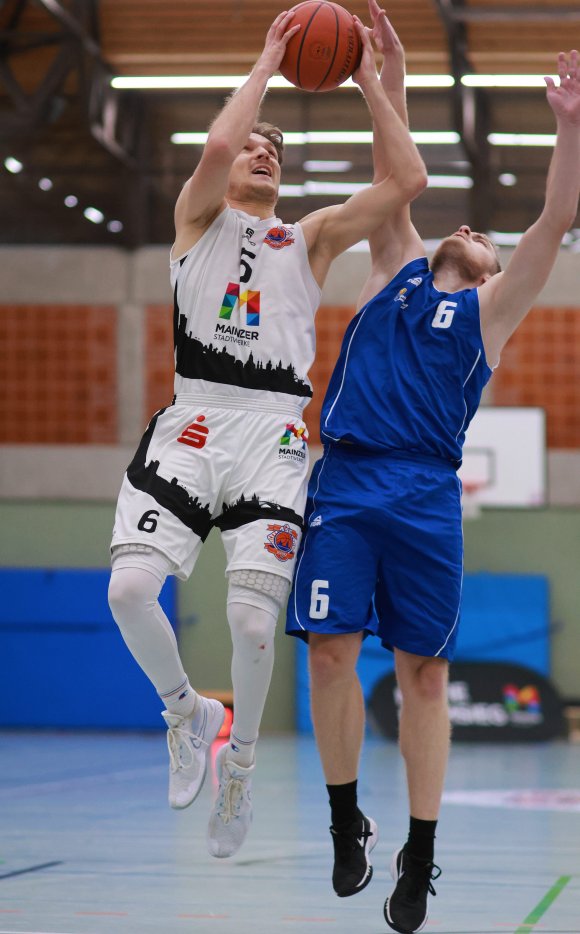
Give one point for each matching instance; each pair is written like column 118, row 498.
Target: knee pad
column 143, row 557
column 259, row 589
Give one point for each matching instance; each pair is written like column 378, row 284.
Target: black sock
column 421, row 840
column 343, row 804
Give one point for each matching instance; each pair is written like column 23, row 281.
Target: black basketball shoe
column 352, row 870
column 406, row 907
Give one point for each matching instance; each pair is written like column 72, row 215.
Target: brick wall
column 58, row 374
column 540, row 365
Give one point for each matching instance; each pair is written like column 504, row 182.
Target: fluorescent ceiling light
column 508, row 179
column 363, row 246
column 449, row 181
column 349, row 188
column 13, row 165
column 522, row 139
column 71, row 201
column 504, row 81
column 229, row 82
column 45, row 184
column 331, row 136
column 115, row 226
column 330, row 165
column 505, row 239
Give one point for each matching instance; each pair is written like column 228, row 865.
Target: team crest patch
column 277, row 237
column 401, row 296
column 281, row 540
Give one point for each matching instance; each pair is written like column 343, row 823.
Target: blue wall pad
column 63, row 662
column 504, row 618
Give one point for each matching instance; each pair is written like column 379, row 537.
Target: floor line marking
column 20, row 872
column 543, row 905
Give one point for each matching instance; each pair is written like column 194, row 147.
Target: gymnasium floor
column 88, row 845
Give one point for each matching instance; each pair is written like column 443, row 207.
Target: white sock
column 252, row 631
column 133, row 598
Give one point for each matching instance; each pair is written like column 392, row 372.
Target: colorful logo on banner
column 249, row 300
column 281, row 542
column 526, row 698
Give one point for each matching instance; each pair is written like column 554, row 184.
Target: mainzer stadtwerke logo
column 294, row 442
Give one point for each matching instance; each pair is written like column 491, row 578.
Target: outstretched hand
column 389, row 44
column 277, row 38
column 367, row 69
column 565, row 99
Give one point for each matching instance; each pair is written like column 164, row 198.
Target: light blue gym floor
column 88, row 844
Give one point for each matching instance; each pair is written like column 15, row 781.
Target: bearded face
column 470, row 259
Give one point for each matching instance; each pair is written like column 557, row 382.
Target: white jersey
column 244, row 305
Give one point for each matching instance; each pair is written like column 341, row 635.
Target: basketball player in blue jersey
column 230, row 451
column 382, row 551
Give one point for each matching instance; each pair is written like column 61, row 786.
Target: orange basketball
column 327, row 49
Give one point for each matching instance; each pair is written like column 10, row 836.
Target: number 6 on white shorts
column 318, row 600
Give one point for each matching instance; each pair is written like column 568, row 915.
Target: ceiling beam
column 113, row 121
column 470, row 113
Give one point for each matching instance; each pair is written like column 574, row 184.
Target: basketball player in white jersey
column 429, row 337
column 231, row 449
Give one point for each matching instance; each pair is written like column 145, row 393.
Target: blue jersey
column 411, row 370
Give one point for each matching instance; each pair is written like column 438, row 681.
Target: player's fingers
column 362, row 31
column 573, row 63
column 272, row 32
column 549, row 82
column 291, row 32
column 562, row 66
column 282, row 22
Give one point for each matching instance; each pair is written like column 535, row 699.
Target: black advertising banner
column 488, row 702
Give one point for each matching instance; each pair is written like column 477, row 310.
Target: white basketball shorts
column 198, row 466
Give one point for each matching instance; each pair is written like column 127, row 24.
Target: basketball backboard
column 504, row 457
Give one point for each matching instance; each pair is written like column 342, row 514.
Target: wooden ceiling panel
column 226, row 36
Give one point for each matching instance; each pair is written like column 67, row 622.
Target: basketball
column 327, row 49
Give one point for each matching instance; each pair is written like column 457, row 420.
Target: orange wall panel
column 331, row 323
column 159, row 364
column 540, row 365
column 58, row 374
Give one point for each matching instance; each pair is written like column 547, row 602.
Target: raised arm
column 203, row 195
column 507, row 297
column 330, row 231
column 395, row 241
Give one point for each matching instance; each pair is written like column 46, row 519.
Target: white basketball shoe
column 231, row 816
column 189, row 749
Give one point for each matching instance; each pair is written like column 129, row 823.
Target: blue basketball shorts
column 382, row 552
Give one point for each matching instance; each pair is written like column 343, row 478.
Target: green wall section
column 43, row 534
column 547, row 541
column 543, row 541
